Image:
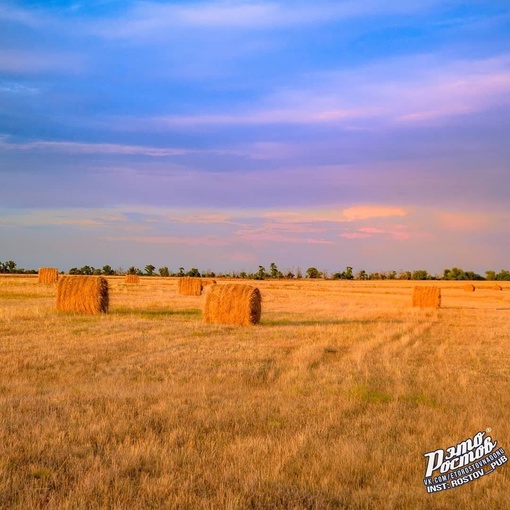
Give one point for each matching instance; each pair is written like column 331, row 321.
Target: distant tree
column 86, row 270
column 344, row 275
column 96, row 272
column 149, row 269
column 274, row 272
column 164, row 271
column 471, row 275
column 243, row 274
column 181, row 272
column 490, row 275
column 454, row 273
column 133, row 270
column 362, row 275
column 289, row 274
column 420, row 274
column 405, row 275
column 107, row 270
column 261, row 274
column 193, row 272
column 504, row 274
column 391, row 275
column 9, row 266
column 313, row 272
column 299, row 273
column 75, row 271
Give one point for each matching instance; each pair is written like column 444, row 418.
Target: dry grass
column 329, row 403
column 47, row 275
column 82, row 294
column 233, row 303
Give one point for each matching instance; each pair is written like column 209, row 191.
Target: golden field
column 329, row 403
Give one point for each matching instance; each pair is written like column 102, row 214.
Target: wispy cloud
column 420, row 89
column 395, row 232
column 36, row 61
column 150, row 19
column 102, row 148
column 364, row 212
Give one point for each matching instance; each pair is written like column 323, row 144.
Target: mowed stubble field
column 329, row 403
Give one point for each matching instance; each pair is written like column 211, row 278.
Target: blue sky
column 227, row 134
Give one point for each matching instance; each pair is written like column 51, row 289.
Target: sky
column 228, row 134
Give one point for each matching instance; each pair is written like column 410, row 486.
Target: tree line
column 454, row 273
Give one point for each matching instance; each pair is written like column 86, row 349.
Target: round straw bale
column 496, row 286
column 82, row 294
column 47, row 275
column 469, row 287
column 232, row 303
column 189, row 286
column 427, row 297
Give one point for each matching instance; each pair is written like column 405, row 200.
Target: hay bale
column 132, row 278
column 82, row 294
column 495, row 286
column 189, row 286
column 469, row 287
column 47, row 275
column 427, row 297
column 206, row 282
column 232, row 303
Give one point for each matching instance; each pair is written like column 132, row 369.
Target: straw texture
column 82, row 294
column 47, row 275
column 427, row 297
column 232, row 304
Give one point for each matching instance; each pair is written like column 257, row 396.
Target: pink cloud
column 363, row 212
column 257, row 235
column 396, row 232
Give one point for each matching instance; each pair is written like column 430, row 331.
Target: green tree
column 455, row 273
column 392, row 275
column 420, row 274
column 133, row 270
column 75, row 271
column 261, row 274
column 504, row 274
column 490, row 275
column 313, row 272
column 86, row 270
column 149, row 269
column 362, row 275
column 181, row 272
column 273, row 271
column 471, row 275
column 107, row 270
column 193, row 272
column 9, row 266
column 164, row 271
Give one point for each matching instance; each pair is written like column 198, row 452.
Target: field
column 329, row 403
